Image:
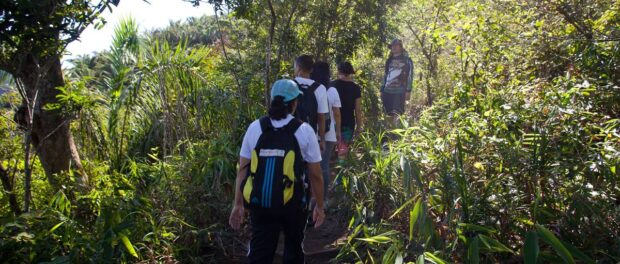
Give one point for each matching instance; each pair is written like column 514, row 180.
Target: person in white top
column 303, row 69
column 321, row 74
column 266, row 224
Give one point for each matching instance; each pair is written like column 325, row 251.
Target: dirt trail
column 320, row 245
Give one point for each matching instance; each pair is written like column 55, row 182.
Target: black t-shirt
column 348, row 92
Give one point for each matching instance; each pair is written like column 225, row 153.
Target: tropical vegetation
column 509, row 151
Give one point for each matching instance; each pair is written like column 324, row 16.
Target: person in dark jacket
column 397, row 82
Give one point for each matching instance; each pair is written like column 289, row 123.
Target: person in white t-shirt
column 266, row 224
column 303, row 69
column 321, row 74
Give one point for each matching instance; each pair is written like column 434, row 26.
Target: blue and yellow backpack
column 275, row 178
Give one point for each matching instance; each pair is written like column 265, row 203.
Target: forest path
column 321, row 245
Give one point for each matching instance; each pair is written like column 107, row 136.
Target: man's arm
column 322, row 110
column 409, row 86
column 385, row 74
column 321, row 120
column 244, row 165
column 338, row 122
column 359, row 115
column 237, row 214
column 316, row 182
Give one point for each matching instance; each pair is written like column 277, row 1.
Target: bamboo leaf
column 399, row 259
column 376, row 239
column 473, row 251
column 414, row 214
column 477, row 228
column 402, row 207
column 493, row 245
column 56, row 226
column 388, row 256
column 530, row 248
column 432, row 258
column 555, row 243
column 420, row 260
column 128, row 246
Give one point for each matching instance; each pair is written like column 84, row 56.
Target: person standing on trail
column 277, row 152
column 352, row 119
column 312, row 105
column 321, row 74
column 398, row 81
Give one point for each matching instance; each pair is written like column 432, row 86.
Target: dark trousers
column 266, row 227
column 393, row 104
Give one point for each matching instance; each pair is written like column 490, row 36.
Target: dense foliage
column 509, row 151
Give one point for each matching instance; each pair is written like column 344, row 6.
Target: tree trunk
column 50, row 131
column 9, row 189
column 272, row 28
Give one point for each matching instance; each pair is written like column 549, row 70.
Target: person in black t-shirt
column 351, row 110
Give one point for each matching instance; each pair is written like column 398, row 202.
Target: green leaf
column 129, row 246
column 473, row 251
column 420, row 260
column 555, row 243
column 414, row 214
column 402, row 207
column 493, row 245
column 399, row 259
column 477, row 228
column 388, row 256
column 56, row 226
column 432, row 258
column 376, row 239
column 530, row 248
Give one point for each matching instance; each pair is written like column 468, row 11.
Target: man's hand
column 318, row 216
column 236, row 217
column 358, row 131
column 407, row 96
column 322, row 145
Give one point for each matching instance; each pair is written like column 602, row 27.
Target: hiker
column 352, row 119
column 312, row 106
column 398, row 81
column 321, row 74
column 276, row 151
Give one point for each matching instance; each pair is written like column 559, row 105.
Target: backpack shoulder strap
column 298, row 84
column 313, row 87
column 265, row 124
column 293, row 125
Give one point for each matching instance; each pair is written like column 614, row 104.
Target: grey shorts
column 393, row 103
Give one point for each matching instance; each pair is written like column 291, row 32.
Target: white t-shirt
column 333, row 100
column 310, row 150
column 320, row 94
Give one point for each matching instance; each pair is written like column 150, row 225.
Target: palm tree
column 156, row 95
